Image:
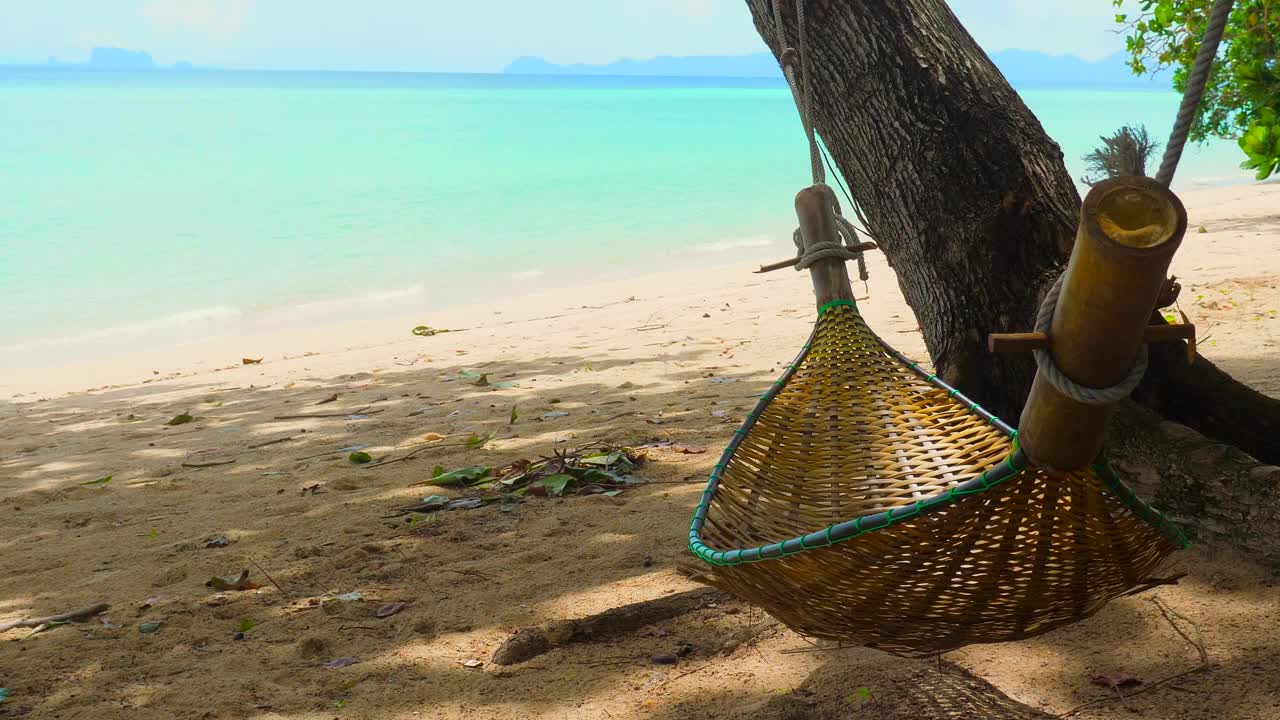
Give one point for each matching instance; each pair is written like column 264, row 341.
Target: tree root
column 531, row 642
column 74, row 615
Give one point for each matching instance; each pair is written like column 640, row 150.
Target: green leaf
column 475, row 442
column 514, row 416
column 437, row 471
column 150, row 627
column 461, row 476
column 4, row 694
column 612, row 493
column 360, row 457
column 1164, row 13
column 246, row 625
column 554, row 484
column 100, row 481
column 181, row 419
column 602, row 459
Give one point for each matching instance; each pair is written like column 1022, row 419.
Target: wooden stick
column 267, row 575
column 360, row 411
column 214, row 463
column 1026, row 342
column 74, row 615
column 531, row 642
column 860, row 247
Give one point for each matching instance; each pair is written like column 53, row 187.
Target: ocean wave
column 377, row 297
column 726, row 245
column 199, row 318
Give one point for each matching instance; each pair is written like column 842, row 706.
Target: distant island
column 1023, row 68
column 111, row 58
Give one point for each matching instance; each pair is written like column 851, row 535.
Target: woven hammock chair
column 866, row 500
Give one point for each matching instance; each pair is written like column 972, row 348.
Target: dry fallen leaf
column 389, row 609
column 329, row 399
column 250, row 361
column 432, row 437
column 689, row 449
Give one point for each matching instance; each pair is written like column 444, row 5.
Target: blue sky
column 471, row 36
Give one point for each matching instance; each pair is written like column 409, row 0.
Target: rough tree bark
column 970, row 200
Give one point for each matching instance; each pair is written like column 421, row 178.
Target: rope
column 795, row 62
column 1196, row 82
column 1069, row 387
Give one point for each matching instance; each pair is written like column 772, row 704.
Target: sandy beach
column 674, row 359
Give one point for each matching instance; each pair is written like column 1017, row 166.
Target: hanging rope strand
column 1196, row 82
column 795, row 67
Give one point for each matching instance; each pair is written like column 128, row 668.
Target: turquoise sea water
column 152, row 208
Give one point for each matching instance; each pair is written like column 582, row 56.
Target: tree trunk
column 961, row 185
column 969, row 199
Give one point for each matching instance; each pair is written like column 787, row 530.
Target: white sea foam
column 726, row 245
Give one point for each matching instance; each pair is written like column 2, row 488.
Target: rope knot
column 809, row 253
column 790, row 57
column 1064, row 384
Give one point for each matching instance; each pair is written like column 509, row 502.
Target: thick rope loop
column 833, row 250
column 1196, row 81
column 1069, row 387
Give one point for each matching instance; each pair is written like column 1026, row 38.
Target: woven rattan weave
column 865, row 500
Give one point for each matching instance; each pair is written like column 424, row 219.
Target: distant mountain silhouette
column 110, row 58
column 1023, row 68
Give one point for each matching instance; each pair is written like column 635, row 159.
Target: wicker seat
column 865, row 500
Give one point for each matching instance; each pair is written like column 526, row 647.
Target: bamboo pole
column 814, row 206
column 1129, row 230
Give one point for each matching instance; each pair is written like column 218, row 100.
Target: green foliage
column 1242, row 98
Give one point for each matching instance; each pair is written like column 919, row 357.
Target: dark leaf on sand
column 331, row 398
column 389, row 609
column 483, row 381
column 664, row 660
column 339, row 663
column 1114, row 680
column 219, row 541
column 181, row 419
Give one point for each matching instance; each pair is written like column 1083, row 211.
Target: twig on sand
column 1198, row 643
column 211, row 463
column 1145, row 688
column 358, row 411
column 267, row 575
column 411, row 453
column 1169, row 614
column 74, row 615
column 272, row 442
